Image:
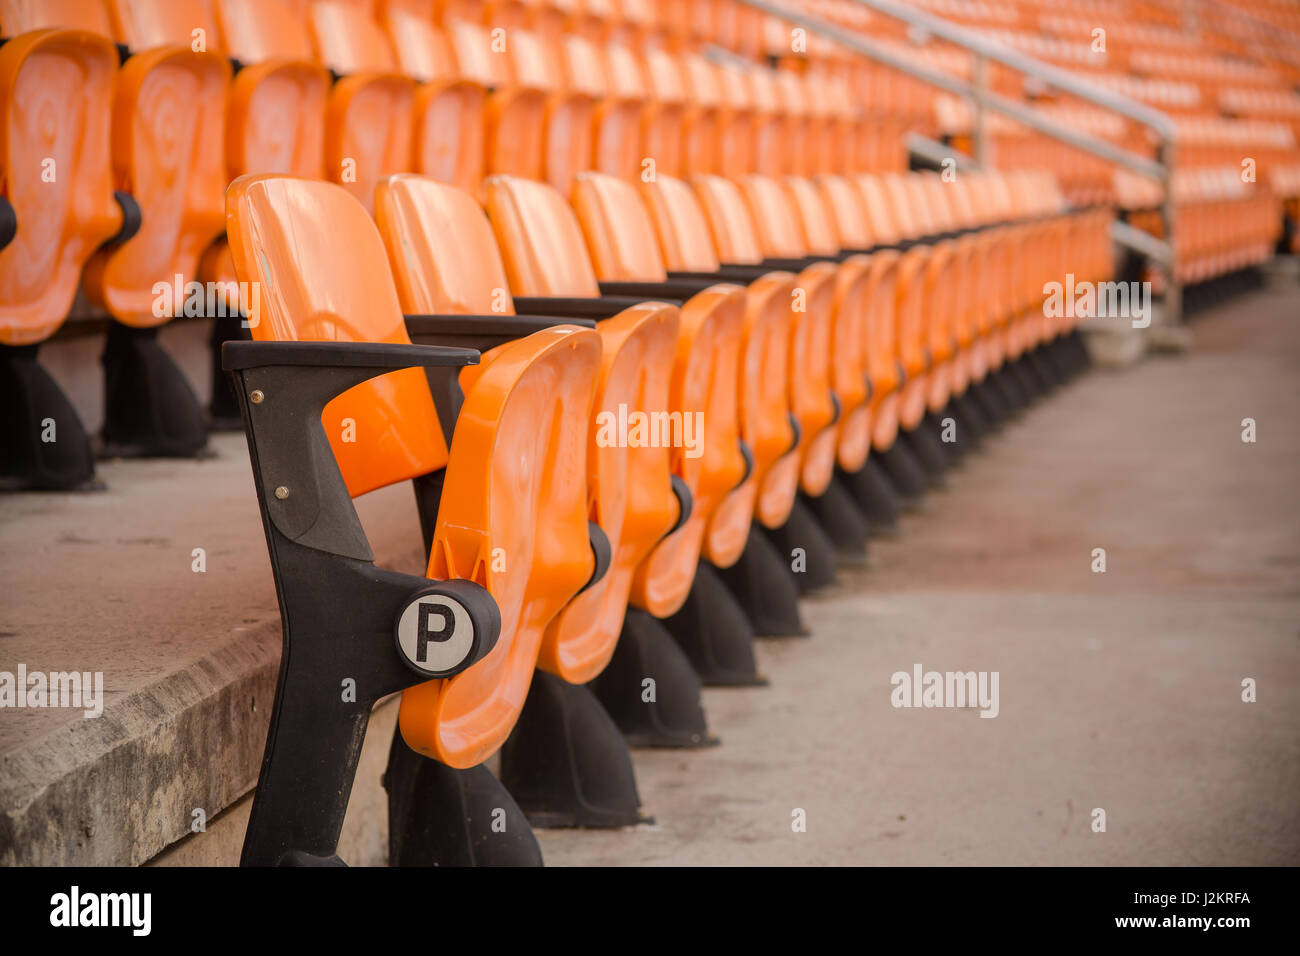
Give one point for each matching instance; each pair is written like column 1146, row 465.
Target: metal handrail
column 983, row 101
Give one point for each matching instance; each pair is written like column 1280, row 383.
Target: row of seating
column 176, row 121
column 790, row 368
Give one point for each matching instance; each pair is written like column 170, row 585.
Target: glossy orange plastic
column 314, row 288
column 939, row 283
column 369, row 115
column 515, row 141
column 579, row 82
column 734, row 154
column 617, row 147
column 766, row 364
column 702, row 117
column 169, row 113
column 780, row 235
column 22, row 16
column 166, row 138
column 850, row 309
column 704, row 384
column 885, row 230
column 55, row 169
column 910, row 334
column 443, row 255
column 856, row 229
column 662, row 122
column 448, row 139
column 544, row 251
column 631, row 498
column 515, row 479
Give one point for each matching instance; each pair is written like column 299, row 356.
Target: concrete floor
column 1119, row 691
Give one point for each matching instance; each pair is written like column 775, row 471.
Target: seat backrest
column 420, row 49
column 169, row 145
column 900, row 202
column 916, row 199
column 577, row 77
column 582, row 67
column 704, row 99
column 254, row 31
column 796, row 123
column 533, row 61
column 56, row 95
column 618, row 138
column 24, row 16
column 625, row 77
column 780, row 233
column 145, row 24
column 620, row 234
column 818, row 226
column 540, row 239
column 471, row 45
column 735, row 236
column 441, row 248
column 734, row 151
column 847, row 209
column 347, row 38
column 285, row 235
column 884, row 228
column 662, row 130
column 275, row 124
column 683, row 232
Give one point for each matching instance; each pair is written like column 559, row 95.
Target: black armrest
column 236, row 356
column 872, row 250
column 789, row 265
column 673, row 290
column 602, row 307
column 481, row 332
column 742, row 273
column 282, row 389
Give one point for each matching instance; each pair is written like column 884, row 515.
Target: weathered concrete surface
column 364, row 840
column 189, row 659
column 1118, row 690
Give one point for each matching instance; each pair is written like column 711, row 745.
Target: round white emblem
column 435, row 634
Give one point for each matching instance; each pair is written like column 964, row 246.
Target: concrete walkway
column 1119, row 691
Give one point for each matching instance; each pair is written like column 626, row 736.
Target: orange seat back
column 621, row 238
column 617, row 148
column 450, row 106
column 55, row 170
column 765, row 376
column 702, row 119
column 441, row 248
column 662, row 125
column 632, row 500
column 168, row 145
column 276, row 113
column 369, row 115
column 685, row 243
column 541, row 242
column 885, row 228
